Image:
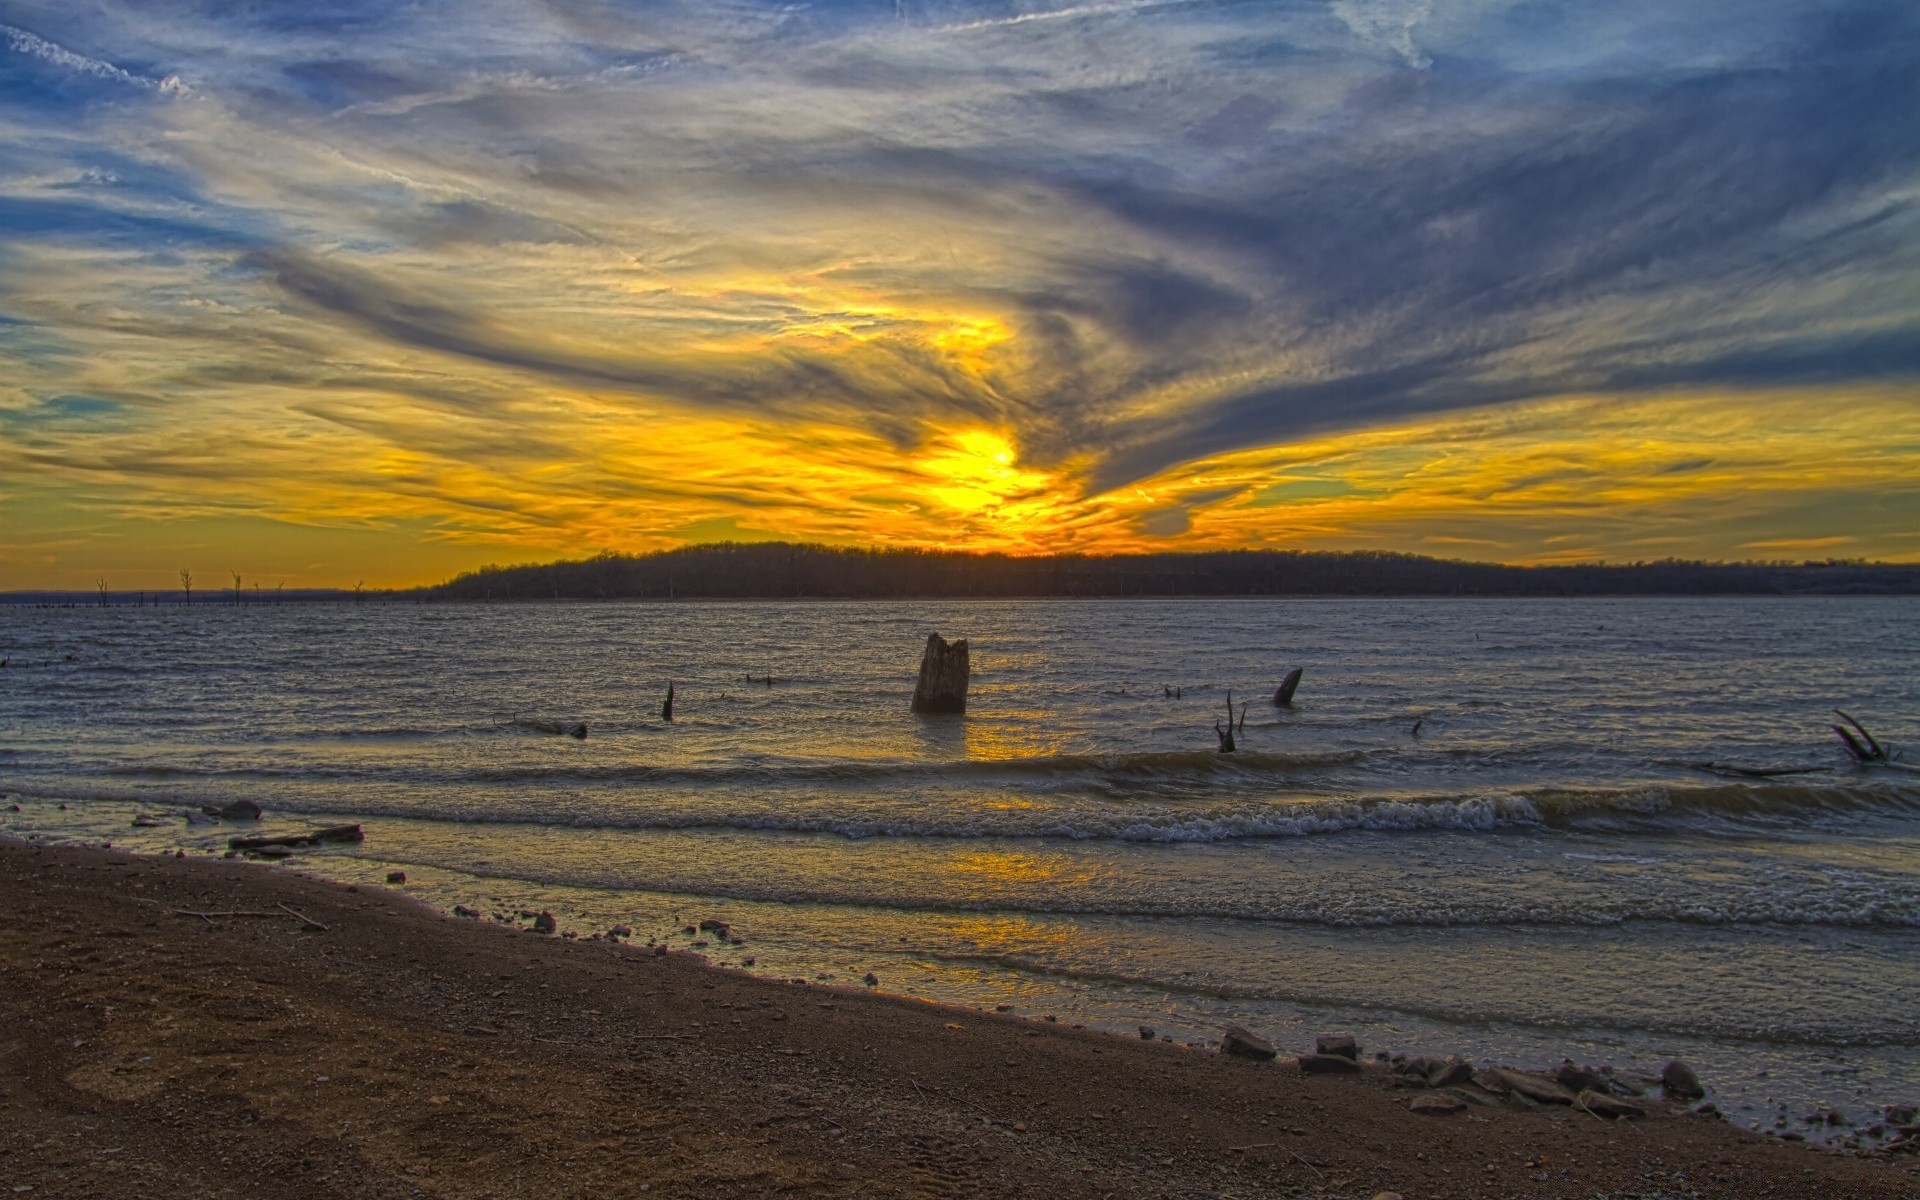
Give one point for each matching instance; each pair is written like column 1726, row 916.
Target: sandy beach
column 352, row 1042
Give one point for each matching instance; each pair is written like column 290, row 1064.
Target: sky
column 384, row 290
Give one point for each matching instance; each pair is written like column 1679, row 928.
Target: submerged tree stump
column 943, row 677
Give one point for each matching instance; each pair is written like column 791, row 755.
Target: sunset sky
column 398, row 289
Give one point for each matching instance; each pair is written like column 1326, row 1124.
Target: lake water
column 1537, row 873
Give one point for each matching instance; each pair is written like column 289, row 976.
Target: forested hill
column 781, row 570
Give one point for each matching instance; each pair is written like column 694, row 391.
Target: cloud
column 1129, row 241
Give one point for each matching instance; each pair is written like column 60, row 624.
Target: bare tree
column 280, row 592
column 236, row 588
column 356, row 590
column 186, row 583
column 103, row 591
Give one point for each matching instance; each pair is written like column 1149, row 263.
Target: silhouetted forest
column 777, row 570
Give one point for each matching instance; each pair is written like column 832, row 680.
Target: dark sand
column 400, row 1053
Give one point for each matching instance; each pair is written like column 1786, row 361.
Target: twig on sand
column 1295, row 1156
column 310, row 922
column 665, row 1037
column 1253, row 1146
column 209, row 916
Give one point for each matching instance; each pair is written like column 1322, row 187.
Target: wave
column 1595, row 810
column 1893, row 907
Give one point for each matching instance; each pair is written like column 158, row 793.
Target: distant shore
column 795, row 571
column 309, row 1038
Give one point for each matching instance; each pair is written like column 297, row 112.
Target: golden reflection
column 1004, row 866
column 1007, row 935
column 1010, row 734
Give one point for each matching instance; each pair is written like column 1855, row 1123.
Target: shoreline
column 397, row 1048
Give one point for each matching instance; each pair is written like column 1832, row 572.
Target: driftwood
column 944, row 674
column 1753, row 772
column 1871, row 752
column 1225, row 732
column 1283, row 695
column 239, row 810
column 307, row 922
column 333, row 833
column 666, row 710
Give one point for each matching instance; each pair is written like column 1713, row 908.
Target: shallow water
column 1536, row 873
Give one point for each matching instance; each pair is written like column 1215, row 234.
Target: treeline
column 780, row 570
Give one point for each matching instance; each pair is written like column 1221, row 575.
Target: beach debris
column 573, row 729
column 944, row 675
column 1869, row 752
column 1171, row 692
column 1327, row 1064
column 717, row 928
column 544, row 923
column 1437, row 1105
column 1537, row 1088
column 666, row 708
column 870, row 979
column 1447, row 1074
column 332, row 833
column 147, row 821
column 1283, row 695
column 1241, row 1044
column 1679, row 1080
column 1417, row 722
column 1600, row 1104
column 1734, row 770
column 1147, row 1034
column 1579, row 1079
column 462, row 911
column 1225, row 732
column 239, row 810
column 307, row 922
column 211, row 917
column 1473, row 1095
column 620, row 931
column 1341, row 1044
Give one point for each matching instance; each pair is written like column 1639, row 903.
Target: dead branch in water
column 1872, row 752
column 1225, row 732
column 666, row 709
column 1283, row 695
column 1753, row 772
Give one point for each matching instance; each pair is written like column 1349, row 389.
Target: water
column 1537, row 874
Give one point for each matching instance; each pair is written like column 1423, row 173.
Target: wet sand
column 396, row 1052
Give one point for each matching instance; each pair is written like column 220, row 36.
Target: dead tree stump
column 943, row 677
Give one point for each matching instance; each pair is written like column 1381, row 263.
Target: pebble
column 1328, row 1064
